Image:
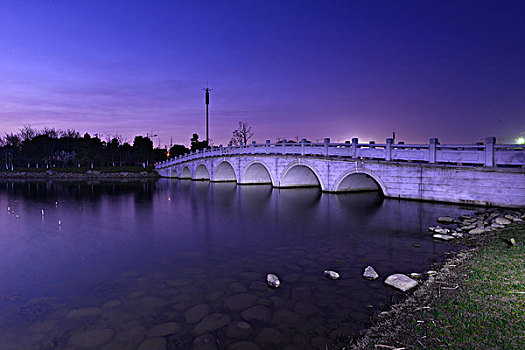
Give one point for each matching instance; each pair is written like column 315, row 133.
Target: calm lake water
column 175, row 264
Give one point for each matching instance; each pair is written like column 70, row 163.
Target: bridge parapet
column 488, row 154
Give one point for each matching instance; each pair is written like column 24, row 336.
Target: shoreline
column 88, row 175
column 396, row 328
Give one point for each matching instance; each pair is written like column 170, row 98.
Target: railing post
column 388, row 149
column 253, row 147
column 326, row 145
column 489, row 151
column 432, row 149
column 303, row 147
column 355, row 141
column 267, row 147
column 284, row 146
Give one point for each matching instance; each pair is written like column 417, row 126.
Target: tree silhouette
column 196, row 144
column 242, row 134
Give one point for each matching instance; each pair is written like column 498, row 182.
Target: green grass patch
column 488, row 310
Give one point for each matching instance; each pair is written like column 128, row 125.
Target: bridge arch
column 300, row 174
column 185, row 173
column 256, row 173
column 358, row 181
column 224, row 172
column 201, row 173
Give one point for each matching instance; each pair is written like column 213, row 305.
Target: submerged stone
column 239, row 330
column 84, row 313
column 205, row 342
column 211, row 323
column 257, row 313
column 91, row 338
column 155, row 343
column 244, row 345
column 239, row 302
column 195, row 313
column 269, row 336
column 164, row 329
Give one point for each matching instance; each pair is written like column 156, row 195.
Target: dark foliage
column 51, row 148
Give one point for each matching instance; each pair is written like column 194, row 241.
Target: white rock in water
column 443, row 237
column 457, row 235
column 502, row 221
column 445, row 220
column 273, row 280
column 416, row 275
column 441, row 230
column 370, row 273
column 477, row 230
column 331, row 275
column 401, row 282
column 496, row 225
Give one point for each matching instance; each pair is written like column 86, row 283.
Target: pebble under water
column 176, row 264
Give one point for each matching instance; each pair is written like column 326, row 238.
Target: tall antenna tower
column 207, row 93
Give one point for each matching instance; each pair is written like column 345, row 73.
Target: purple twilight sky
column 340, row 69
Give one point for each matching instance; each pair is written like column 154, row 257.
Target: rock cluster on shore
column 480, row 222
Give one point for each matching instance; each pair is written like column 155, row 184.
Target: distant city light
column 520, row 141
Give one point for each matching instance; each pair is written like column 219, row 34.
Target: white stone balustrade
column 488, row 154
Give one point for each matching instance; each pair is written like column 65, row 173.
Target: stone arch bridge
column 482, row 174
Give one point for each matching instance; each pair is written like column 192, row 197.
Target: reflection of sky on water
column 204, row 231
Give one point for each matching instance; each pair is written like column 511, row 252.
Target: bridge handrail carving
column 485, row 154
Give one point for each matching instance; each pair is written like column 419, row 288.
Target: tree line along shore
column 49, row 148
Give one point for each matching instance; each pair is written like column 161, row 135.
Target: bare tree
column 242, row 134
column 27, row 132
column 72, row 133
column 12, row 140
column 52, row 133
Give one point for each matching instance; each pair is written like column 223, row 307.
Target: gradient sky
column 340, row 69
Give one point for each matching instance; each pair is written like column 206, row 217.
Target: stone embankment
column 88, row 175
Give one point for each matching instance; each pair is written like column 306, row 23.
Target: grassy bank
column 477, row 301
